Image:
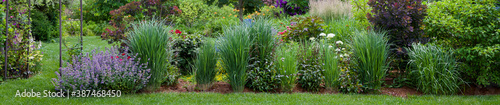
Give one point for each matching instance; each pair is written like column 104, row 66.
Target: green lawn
column 42, row 81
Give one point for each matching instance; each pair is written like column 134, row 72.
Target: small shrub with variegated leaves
column 105, row 70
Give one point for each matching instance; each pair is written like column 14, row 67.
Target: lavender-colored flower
column 96, row 70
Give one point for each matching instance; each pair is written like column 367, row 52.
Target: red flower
column 123, row 53
column 171, row 31
column 128, row 57
column 116, row 56
column 178, row 32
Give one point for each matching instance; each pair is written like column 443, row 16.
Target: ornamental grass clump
column 205, row 64
column 106, row 70
column 234, row 49
column 371, row 50
column 330, row 67
column 150, row 40
column 287, row 65
column 262, row 76
column 434, row 70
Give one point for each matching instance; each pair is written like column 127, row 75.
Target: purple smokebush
column 108, row 70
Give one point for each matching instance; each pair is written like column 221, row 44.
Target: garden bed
column 405, row 91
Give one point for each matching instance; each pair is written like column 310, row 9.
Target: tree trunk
column 240, row 7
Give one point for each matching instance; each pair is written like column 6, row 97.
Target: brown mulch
column 224, row 88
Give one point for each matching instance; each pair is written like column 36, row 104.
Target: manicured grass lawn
column 42, row 81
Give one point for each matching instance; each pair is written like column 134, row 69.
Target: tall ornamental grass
column 205, row 65
column 265, row 38
column 434, row 70
column 287, row 65
column 330, row 10
column 234, row 49
column 330, row 66
column 150, row 40
column 261, row 76
column 371, row 50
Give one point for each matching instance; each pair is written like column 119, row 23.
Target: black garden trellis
column 29, row 34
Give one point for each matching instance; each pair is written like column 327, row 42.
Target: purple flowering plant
column 105, row 70
column 293, row 7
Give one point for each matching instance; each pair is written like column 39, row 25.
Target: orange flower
column 234, row 15
column 215, row 13
column 223, row 17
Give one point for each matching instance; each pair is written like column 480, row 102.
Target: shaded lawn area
column 42, row 81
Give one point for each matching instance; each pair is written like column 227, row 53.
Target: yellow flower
column 263, row 14
column 234, row 15
column 272, row 6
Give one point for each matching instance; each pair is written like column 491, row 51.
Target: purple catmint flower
column 96, row 70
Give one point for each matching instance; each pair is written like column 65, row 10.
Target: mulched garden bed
column 224, row 88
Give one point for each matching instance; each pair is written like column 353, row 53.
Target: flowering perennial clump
column 106, row 70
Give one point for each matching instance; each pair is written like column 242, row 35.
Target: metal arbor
column 29, row 34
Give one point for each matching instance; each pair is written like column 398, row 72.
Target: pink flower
column 121, row 59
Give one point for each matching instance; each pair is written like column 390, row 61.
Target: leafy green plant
column 472, row 29
column 235, row 49
column 150, row 40
column 287, row 65
column 310, row 76
column 349, row 81
column 330, row 66
column 371, row 50
column 303, row 28
column 186, row 48
column 434, row 70
column 42, row 28
column 205, row 65
column 360, row 10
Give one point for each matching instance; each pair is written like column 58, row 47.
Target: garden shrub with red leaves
column 403, row 20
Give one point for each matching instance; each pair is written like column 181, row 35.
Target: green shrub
column 42, row 28
column 186, row 46
column 191, row 9
column 235, row 49
column 261, row 76
column 304, row 28
column 349, row 80
column 213, row 19
column 472, row 29
column 434, row 70
column 330, row 66
column 205, row 65
column 371, row 51
column 248, row 5
column 287, row 65
column 150, row 40
column 310, row 76
column 360, row 10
